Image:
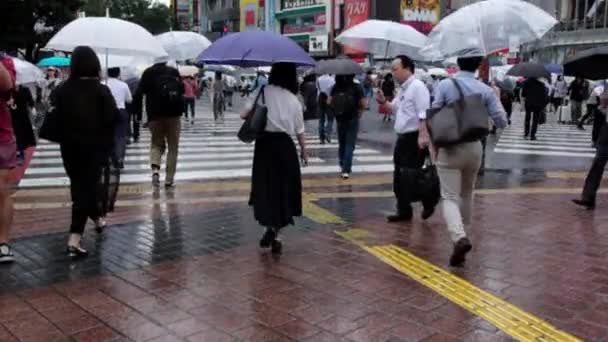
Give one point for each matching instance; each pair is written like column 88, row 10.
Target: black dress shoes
column 587, row 204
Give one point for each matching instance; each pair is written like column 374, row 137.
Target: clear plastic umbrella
column 486, row 26
column 385, row 38
column 183, row 45
column 27, row 72
column 108, row 36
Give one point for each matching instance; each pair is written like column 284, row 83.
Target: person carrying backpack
column 164, row 92
column 347, row 102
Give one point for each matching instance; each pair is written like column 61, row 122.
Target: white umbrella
column 381, row 37
column 188, row 70
column 183, row 45
column 487, row 26
column 109, row 36
column 439, row 72
column 27, row 72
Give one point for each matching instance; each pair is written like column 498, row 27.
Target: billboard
column 422, row 15
column 355, row 12
column 250, row 12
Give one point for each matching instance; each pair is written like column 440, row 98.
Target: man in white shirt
column 325, row 84
column 409, row 106
column 122, row 96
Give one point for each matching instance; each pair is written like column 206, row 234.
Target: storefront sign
column 320, row 19
column 318, row 43
column 303, row 24
column 289, row 4
column 355, row 12
column 422, row 15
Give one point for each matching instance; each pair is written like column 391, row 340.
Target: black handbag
column 256, row 120
column 51, row 127
column 422, row 184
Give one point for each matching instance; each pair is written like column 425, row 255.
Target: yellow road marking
column 566, row 174
column 505, row 316
column 317, row 213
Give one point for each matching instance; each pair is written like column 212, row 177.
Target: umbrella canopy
column 591, row 64
column 108, row 36
column 438, row 72
column 183, row 45
column 226, row 69
column 27, row 72
column 255, row 48
column 554, row 68
column 486, row 26
column 54, row 62
column 382, row 37
column 188, row 70
column 338, row 66
column 529, row 70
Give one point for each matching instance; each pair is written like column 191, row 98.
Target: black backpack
column 344, row 102
column 169, row 91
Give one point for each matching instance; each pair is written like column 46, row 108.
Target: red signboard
column 355, row 12
column 320, row 19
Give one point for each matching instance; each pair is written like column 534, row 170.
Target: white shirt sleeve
column 299, row 118
column 423, row 101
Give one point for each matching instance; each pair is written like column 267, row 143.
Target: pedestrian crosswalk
column 553, row 139
column 207, row 151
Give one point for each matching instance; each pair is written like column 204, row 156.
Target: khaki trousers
column 457, row 167
column 165, row 132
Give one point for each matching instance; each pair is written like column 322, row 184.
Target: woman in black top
column 86, row 111
column 388, row 89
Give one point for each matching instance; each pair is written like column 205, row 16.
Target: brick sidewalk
column 181, row 271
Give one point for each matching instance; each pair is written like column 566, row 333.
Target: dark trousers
column 533, row 114
column 135, row 124
column 347, row 139
column 83, row 165
column 594, row 177
column 407, row 155
column 599, row 120
column 189, row 103
column 508, row 105
column 121, row 133
column 326, row 122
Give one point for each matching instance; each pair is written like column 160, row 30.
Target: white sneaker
column 345, row 175
column 6, row 255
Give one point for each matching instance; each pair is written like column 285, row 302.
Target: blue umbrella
column 54, row 62
column 554, row 68
column 255, row 48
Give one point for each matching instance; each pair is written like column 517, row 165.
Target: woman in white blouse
column 276, row 182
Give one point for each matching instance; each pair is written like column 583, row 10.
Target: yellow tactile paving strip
column 505, row 316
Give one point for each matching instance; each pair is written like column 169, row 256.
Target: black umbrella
column 338, row 66
column 529, row 70
column 591, row 64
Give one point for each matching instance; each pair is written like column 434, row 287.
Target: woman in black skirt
column 276, row 182
column 86, row 112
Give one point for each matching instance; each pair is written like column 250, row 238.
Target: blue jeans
column 347, row 138
column 326, row 123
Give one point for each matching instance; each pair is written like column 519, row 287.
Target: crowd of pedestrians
column 94, row 120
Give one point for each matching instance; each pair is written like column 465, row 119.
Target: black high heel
column 100, row 226
column 277, row 247
column 77, row 252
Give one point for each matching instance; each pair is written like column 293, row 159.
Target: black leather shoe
column 426, row 213
column 461, row 248
column 587, row 204
column 398, row 218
